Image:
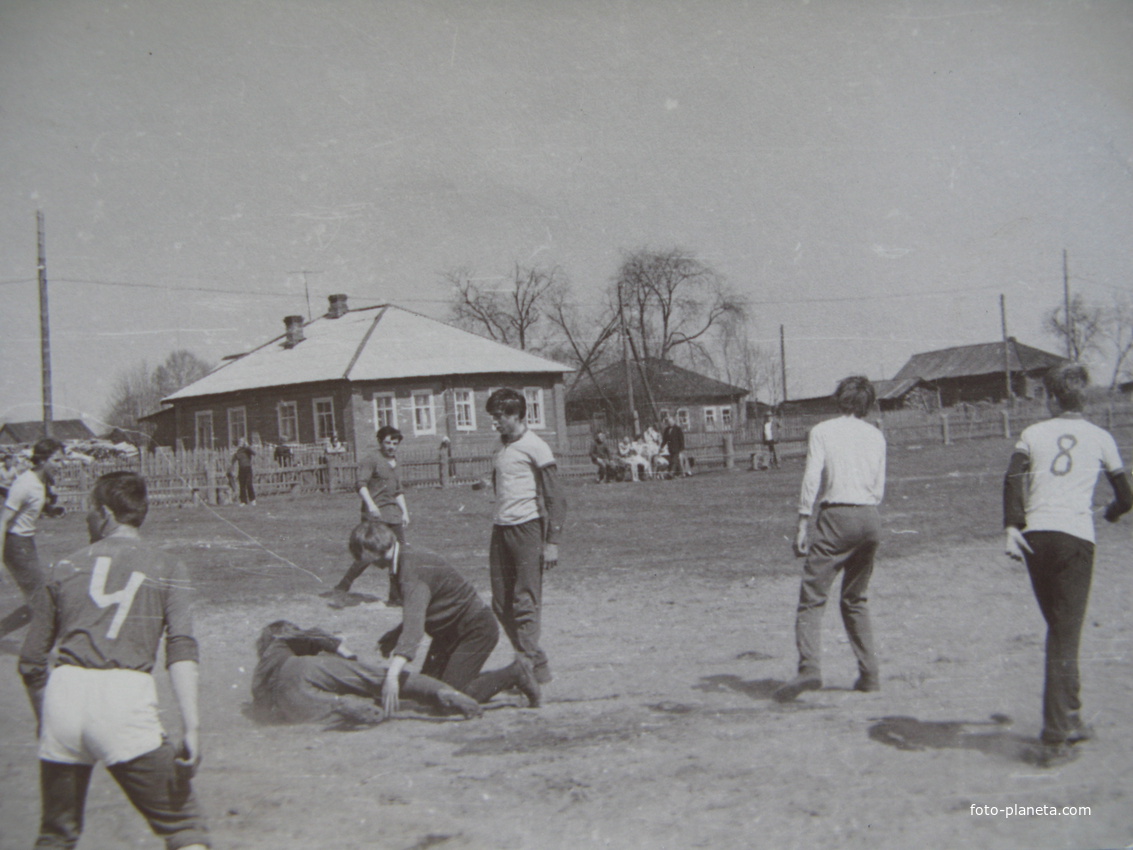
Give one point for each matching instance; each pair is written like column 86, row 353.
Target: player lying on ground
column 309, row 675
column 104, row 610
column 440, row 603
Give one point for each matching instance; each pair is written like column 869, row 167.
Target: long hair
column 855, row 395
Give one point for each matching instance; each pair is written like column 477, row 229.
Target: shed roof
column 30, row 432
column 368, row 344
column 981, row 359
column 668, row 382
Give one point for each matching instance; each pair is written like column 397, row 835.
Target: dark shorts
column 22, row 562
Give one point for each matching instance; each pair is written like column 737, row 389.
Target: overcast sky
column 870, row 175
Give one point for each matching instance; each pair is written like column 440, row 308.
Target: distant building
column 26, row 433
column 891, row 395
column 349, row 372
column 973, row 373
column 696, row 402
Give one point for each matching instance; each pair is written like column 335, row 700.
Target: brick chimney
column 338, row 306
column 294, row 325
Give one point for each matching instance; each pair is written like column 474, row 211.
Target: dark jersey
column 436, row 599
column 107, row 607
column 384, row 483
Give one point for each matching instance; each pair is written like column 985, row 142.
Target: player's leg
column 1061, row 568
column 857, row 571
column 501, row 571
column 468, row 649
column 526, row 545
column 63, row 789
column 22, row 561
column 162, row 791
column 356, row 569
column 394, row 599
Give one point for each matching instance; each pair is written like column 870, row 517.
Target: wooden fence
column 192, row 477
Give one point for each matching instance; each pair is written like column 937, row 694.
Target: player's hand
column 391, row 695
column 550, row 555
column 348, row 654
column 189, row 754
column 802, row 542
column 1112, row 512
column 388, row 642
column 1016, row 544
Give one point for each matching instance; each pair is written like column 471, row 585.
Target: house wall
column 354, row 411
column 697, row 421
column 976, row 388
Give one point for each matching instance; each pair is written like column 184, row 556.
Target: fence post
column 442, row 464
column 210, row 481
column 1006, row 423
column 944, row 428
column 729, row 451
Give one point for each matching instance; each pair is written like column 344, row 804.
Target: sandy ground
column 658, row 731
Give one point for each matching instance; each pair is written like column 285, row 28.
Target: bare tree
column 582, row 338
column 744, row 363
column 1080, row 331
column 670, row 300
column 138, row 390
column 1117, row 330
column 511, row 313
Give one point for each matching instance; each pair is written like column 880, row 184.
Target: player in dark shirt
column 105, row 610
column 310, row 675
column 439, row 602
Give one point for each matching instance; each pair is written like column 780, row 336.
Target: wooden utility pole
column 1066, row 301
column 1006, row 346
column 44, row 327
column 625, row 361
column 783, row 360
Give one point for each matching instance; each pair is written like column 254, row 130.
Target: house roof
column 30, row 432
column 982, row 359
column 368, row 344
column 894, row 389
column 667, row 382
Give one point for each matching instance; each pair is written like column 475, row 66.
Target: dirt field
column 668, row 622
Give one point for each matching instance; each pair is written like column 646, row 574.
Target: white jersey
column 846, row 458
column 1065, row 456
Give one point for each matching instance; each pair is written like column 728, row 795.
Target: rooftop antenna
column 306, row 289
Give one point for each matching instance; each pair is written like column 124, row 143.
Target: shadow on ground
column 909, row 733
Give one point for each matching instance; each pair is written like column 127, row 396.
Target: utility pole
column 625, row 361
column 783, row 360
column 1066, row 301
column 1006, row 347
column 44, row 328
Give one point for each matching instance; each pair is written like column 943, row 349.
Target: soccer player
column 1047, row 507
column 309, row 675
column 383, row 498
column 846, row 456
column 440, row 603
column 27, row 499
column 104, row 611
column 529, row 515
column 242, row 460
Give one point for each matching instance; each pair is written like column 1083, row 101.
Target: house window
column 385, row 411
column 237, row 425
column 682, row 417
column 203, row 428
column 534, row 396
column 324, row 418
column 423, row 420
column 710, row 419
column 464, row 404
column 288, row 414
column 726, row 417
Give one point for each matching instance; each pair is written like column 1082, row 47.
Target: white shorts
column 98, row 715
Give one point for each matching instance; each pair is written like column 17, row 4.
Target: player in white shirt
column 1048, row 516
column 846, row 459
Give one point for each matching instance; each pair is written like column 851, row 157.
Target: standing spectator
column 242, row 461
column 9, row 472
column 770, row 438
column 27, row 499
column 1049, row 491
column 673, row 441
column 105, row 613
column 283, row 455
column 847, row 457
column 529, row 515
column 602, row 458
column 383, row 498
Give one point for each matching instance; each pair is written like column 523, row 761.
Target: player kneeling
column 308, row 675
column 105, row 609
column 439, row 602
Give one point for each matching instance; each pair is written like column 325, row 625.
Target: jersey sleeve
column 416, row 596
column 540, row 454
column 812, row 477
column 34, row 657
column 1111, row 456
column 180, row 644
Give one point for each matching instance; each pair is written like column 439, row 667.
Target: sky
column 871, row 176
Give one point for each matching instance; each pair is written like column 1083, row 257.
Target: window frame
column 539, row 421
column 199, row 417
column 293, row 407
column 469, row 405
column 392, row 399
column 319, row 435
column 242, row 419
column 419, row 431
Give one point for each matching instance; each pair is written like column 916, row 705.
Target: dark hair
column 124, row 494
column 371, row 539
column 271, row 631
column 507, row 402
column 855, row 395
column 1067, row 383
column 44, row 449
column 389, row 431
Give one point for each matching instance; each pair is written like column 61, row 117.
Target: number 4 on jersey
column 123, row 598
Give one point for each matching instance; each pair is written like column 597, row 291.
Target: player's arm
column 554, row 503
column 184, row 676
column 34, row 656
column 1014, row 505
column 808, row 493
column 401, row 503
column 1122, row 495
column 6, row 517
